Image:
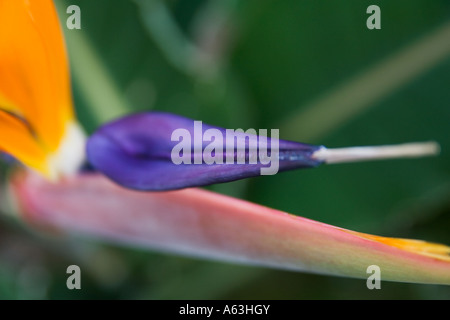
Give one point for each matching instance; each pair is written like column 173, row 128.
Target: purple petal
column 135, row 151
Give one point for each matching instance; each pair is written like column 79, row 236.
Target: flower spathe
column 197, row 222
column 37, row 123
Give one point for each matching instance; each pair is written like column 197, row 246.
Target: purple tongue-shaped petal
column 136, row 152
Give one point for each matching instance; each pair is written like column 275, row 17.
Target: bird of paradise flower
column 38, row 127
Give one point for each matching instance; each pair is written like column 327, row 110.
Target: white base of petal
column 71, row 153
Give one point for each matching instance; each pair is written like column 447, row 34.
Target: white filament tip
column 354, row 154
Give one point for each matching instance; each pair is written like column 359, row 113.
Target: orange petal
column 23, row 145
column 34, row 77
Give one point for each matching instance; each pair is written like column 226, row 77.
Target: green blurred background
column 311, row 69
